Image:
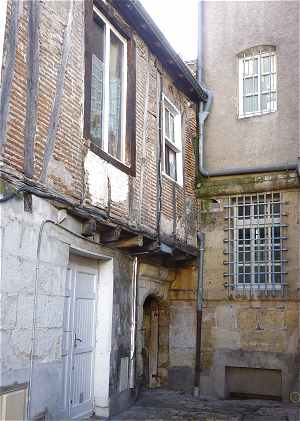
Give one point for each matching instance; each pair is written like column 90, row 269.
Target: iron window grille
column 256, row 242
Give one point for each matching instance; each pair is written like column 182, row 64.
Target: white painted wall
column 19, row 236
column 99, row 172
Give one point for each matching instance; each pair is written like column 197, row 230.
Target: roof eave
column 137, row 17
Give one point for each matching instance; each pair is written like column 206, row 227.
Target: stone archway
column 150, row 342
column 154, row 342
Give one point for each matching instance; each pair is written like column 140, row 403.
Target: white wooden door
column 79, row 341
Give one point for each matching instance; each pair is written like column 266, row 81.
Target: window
column 257, row 82
column 256, row 241
column 172, row 143
column 109, row 89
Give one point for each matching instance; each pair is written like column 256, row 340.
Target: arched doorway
column 150, row 342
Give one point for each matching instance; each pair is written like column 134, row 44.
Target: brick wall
column 73, row 170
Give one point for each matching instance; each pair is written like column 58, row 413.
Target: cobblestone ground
column 163, row 405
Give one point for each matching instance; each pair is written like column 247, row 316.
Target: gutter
column 204, row 111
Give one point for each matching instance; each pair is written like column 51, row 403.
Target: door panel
column 79, row 339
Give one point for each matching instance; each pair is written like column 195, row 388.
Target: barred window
column 256, row 241
column 258, row 82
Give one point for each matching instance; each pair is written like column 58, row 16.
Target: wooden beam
column 89, row 228
column 136, row 241
column 110, row 235
column 32, row 86
column 8, row 69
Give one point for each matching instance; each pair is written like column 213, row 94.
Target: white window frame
column 176, row 146
column 258, row 56
column 108, row 29
column 268, row 222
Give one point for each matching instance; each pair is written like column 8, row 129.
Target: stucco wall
column 229, row 28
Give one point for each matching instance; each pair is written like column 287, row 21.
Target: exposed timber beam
column 89, row 228
column 32, row 85
column 110, row 235
column 8, row 69
column 136, row 241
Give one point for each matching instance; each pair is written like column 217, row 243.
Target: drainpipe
column 132, row 365
column 204, row 111
column 200, row 289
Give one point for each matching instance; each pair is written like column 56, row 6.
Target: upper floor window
column 257, row 82
column 172, row 143
column 256, row 241
column 107, row 91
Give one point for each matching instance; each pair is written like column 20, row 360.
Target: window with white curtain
column 108, row 88
column 257, row 82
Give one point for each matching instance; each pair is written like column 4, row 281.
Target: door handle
column 76, row 339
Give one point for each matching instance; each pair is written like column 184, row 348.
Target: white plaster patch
column 58, row 169
column 99, row 172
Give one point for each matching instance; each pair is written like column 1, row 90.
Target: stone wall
column 258, row 331
column 175, row 292
column 22, row 298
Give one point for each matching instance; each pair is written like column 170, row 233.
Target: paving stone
column 165, row 405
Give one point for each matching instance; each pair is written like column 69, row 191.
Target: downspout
column 204, row 111
column 132, row 365
column 200, row 289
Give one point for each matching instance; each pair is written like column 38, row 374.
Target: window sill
column 258, row 114
column 165, row 175
column 261, row 287
column 113, row 161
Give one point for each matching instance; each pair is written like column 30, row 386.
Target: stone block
column 224, row 338
column 25, row 311
column 9, row 305
column 50, row 311
column 54, row 251
column 18, row 274
column 48, row 344
column 52, row 279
